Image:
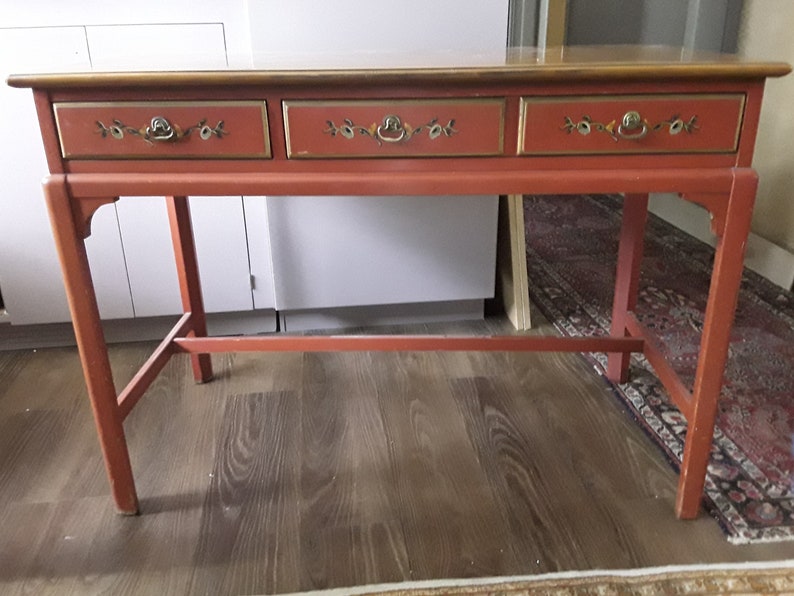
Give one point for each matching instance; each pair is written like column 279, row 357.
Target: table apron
column 711, row 181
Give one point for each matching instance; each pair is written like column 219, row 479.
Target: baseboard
column 54, row 335
column 380, row 315
column 763, row 257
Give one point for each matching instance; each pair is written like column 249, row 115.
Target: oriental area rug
column 740, row 578
column 571, row 251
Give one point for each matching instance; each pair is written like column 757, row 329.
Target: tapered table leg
column 189, row 282
column 91, row 343
column 632, row 232
column 720, row 309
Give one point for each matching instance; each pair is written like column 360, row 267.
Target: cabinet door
column 167, row 46
column 351, row 251
column 221, row 247
column 29, row 270
column 333, row 252
column 218, row 222
column 287, row 31
column 259, row 254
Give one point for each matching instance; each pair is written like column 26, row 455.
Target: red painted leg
column 91, row 342
column 189, row 283
column 720, row 308
column 632, row 232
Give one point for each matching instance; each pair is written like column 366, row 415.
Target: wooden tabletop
column 514, row 65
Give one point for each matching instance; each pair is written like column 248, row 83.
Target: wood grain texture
column 297, row 471
column 515, row 65
column 449, row 518
column 249, row 521
column 350, row 523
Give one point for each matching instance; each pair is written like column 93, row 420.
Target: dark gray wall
column 653, row 22
column 522, row 23
column 696, row 24
column 713, row 25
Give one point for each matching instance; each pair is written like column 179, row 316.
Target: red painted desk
column 572, row 120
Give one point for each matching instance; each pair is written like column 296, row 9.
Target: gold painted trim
column 525, row 101
column 262, row 105
column 392, row 106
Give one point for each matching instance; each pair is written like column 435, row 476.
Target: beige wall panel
column 766, row 34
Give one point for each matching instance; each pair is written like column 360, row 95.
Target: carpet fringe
column 557, row 575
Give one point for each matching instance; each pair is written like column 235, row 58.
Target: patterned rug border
column 532, row 582
column 718, row 505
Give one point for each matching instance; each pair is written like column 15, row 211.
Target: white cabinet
column 218, row 222
column 328, row 252
column 108, row 265
column 158, row 46
column 30, row 275
column 349, row 251
column 219, row 225
column 129, row 249
column 259, row 252
column 283, row 30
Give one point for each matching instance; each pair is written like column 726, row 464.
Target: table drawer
column 400, row 128
column 163, row 130
column 576, row 125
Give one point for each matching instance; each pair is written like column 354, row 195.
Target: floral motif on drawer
column 570, row 125
column 398, row 128
column 163, row 130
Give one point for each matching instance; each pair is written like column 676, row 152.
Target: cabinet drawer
column 163, row 130
column 631, row 124
column 401, row 128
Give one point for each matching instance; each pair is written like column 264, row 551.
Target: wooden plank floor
column 302, row 471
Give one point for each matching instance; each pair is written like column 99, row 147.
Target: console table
column 562, row 121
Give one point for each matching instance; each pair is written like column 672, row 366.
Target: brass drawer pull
column 160, row 130
column 391, row 125
column 632, row 127
column 631, row 122
column 391, row 130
